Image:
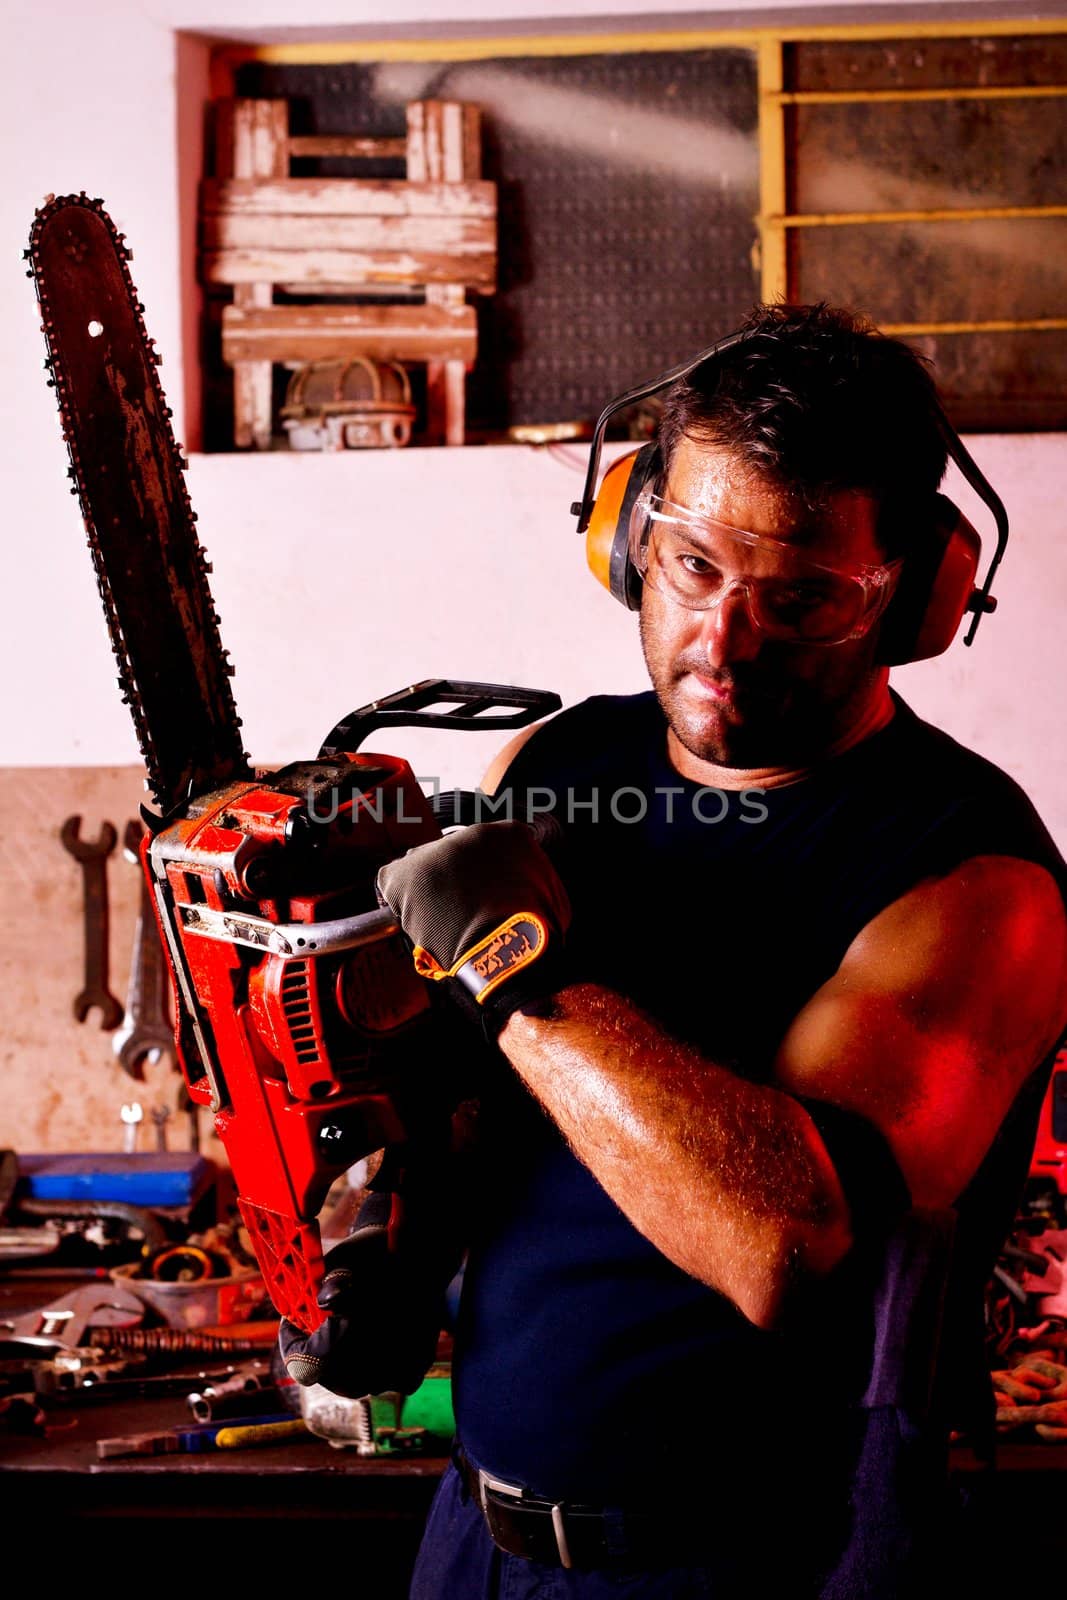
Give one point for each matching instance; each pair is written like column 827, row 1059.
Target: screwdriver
column 195, row 1437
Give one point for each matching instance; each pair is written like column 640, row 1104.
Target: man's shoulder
column 588, row 731
column 942, row 755
column 956, row 788
column 606, row 709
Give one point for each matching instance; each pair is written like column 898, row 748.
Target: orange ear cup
column 607, row 538
column 934, row 592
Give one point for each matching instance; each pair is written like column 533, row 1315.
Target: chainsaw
column 301, row 1022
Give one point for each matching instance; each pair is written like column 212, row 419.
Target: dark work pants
column 459, row 1561
column 881, row 1559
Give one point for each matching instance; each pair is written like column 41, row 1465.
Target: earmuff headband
column 583, row 508
column 982, row 601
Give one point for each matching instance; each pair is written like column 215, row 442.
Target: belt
column 556, row 1533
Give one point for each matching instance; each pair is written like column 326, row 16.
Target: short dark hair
column 816, row 399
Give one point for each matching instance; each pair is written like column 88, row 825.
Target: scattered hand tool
column 234, row 1339
column 132, row 1116
column 250, row 1390
column 93, row 861
column 89, row 1374
column 84, row 1372
column 98, row 1305
column 160, row 1117
column 282, row 1428
column 194, row 1437
column 148, row 1031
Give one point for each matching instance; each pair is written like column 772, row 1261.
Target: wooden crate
column 433, row 232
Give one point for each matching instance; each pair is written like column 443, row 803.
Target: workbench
column 253, row 1507
column 273, row 1510
column 270, row 1511
column 261, row 1509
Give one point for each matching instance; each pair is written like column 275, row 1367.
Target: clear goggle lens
column 696, row 561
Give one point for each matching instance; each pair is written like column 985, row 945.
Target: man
column 776, row 1014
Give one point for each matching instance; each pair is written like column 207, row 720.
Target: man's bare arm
column 728, row 1179
column 940, row 1009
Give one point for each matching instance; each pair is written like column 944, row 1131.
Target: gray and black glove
column 386, row 1311
column 485, row 912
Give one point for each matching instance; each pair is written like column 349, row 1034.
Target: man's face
column 733, row 695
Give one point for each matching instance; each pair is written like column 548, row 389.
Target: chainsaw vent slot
column 296, row 1004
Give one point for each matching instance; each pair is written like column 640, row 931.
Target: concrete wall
column 338, row 579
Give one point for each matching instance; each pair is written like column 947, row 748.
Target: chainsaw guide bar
column 128, row 472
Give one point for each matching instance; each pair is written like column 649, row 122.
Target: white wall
column 339, row 579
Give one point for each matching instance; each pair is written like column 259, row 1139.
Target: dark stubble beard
column 784, row 723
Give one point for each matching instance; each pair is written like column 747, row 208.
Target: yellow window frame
column 774, row 222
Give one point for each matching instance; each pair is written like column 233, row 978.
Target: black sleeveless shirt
column 588, row 1367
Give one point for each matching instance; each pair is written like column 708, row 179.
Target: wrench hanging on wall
column 147, row 1033
column 92, row 857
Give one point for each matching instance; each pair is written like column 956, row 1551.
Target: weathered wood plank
column 318, row 333
column 418, row 162
column 251, row 139
column 476, row 269
column 252, row 383
column 413, row 292
column 349, row 148
column 439, row 236
column 446, row 401
column 472, row 142
column 251, row 296
column 444, row 141
column 445, row 294
column 455, row 402
column 346, row 197
column 251, row 143
column 446, row 380
column 444, row 146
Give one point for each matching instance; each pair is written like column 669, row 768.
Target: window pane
column 936, row 271
column 1001, row 382
column 930, row 154
column 927, row 63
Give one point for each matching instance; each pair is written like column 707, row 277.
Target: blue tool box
column 148, row 1178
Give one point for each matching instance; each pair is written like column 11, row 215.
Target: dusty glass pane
column 936, row 271
column 927, row 63
column 929, row 155
column 1001, row 382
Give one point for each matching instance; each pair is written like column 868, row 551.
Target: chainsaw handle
column 481, row 707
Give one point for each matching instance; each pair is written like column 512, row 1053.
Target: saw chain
column 128, row 472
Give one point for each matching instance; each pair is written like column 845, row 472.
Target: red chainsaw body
column 299, row 1047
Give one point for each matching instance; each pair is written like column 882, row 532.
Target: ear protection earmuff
column 938, row 583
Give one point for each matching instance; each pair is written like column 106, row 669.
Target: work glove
column 484, row 912
column 385, row 1309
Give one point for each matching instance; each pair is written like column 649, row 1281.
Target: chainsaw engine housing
column 303, row 1023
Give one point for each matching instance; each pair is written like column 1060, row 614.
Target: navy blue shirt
column 589, row 1367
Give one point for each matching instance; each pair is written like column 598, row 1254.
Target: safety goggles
column 696, row 562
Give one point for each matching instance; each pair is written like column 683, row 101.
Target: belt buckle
column 513, row 1492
